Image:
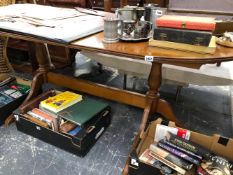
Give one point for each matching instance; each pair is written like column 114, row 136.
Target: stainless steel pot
column 130, row 13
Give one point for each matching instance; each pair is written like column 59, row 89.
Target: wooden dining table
column 151, row 101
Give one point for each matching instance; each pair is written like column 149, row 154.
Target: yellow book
column 60, row 101
column 186, row 47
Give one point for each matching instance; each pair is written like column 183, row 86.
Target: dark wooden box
column 78, row 145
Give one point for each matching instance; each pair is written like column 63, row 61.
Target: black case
column 6, row 110
column 78, row 145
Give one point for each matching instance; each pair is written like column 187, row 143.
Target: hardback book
column 186, row 22
column 60, row 101
column 186, row 47
column 188, row 145
column 36, row 121
column 66, row 126
column 82, row 112
column 217, row 165
column 38, row 117
column 196, row 156
column 148, row 159
column 74, row 131
column 167, row 158
column 194, row 37
column 170, row 157
column 178, row 153
column 47, row 117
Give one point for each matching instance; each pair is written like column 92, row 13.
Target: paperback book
column 178, row 153
column 60, row 101
column 196, row 156
column 148, row 159
column 47, row 118
column 163, row 155
column 216, row 165
column 188, row 145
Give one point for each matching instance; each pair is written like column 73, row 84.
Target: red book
column 186, row 22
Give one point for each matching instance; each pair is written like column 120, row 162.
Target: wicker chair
column 5, row 66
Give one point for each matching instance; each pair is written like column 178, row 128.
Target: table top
column 52, row 23
column 139, row 50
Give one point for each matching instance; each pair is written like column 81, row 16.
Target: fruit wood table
column 150, row 102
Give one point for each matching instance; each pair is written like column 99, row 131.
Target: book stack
column 173, row 153
column 185, row 33
column 66, row 112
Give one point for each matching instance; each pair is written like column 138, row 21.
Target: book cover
column 179, row 154
column 61, row 101
column 148, row 159
column 194, row 37
column 36, row 116
column 170, row 157
column 163, row 157
column 14, row 90
column 217, row 165
column 36, row 121
column 74, row 131
column 186, row 47
column 66, row 126
column 82, row 112
column 186, row 22
column 188, row 145
column 5, row 99
column 182, row 149
column 46, row 117
column 19, row 87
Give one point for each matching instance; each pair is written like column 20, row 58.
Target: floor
column 203, row 109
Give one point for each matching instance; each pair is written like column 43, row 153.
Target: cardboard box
column 79, row 145
column 215, row 144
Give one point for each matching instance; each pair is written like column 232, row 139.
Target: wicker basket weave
column 5, row 66
column 6, row 2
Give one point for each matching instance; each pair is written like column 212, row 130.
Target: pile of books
column 185, row 33
column 66, row 112
column 173, row 153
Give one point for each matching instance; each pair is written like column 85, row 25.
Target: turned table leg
column 40, row 76
column 153, row 104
